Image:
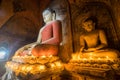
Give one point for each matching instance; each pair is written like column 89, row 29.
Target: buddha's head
column 89, row 24
column 48, row 15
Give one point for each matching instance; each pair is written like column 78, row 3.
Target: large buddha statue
column 49, row 38
column 93, row 42
column 40, row 57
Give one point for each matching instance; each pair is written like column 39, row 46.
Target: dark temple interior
column 21, row 20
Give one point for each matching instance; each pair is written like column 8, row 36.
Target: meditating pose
column 47, row 44
column 49, row 38
column 93, row 43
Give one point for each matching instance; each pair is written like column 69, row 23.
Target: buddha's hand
column 81, row 49
column 90, row 49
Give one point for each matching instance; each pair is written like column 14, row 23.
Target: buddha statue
column 38, row 54
column 49, row 38
column 93, row 43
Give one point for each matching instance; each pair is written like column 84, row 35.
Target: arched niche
column 61, row 8
column 105, row 21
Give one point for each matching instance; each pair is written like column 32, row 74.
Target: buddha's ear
column 54, row 16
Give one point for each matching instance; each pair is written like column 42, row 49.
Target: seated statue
column 38, row 54
column 93, row 42
column 49, row 38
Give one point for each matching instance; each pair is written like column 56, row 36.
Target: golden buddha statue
column 93, row 43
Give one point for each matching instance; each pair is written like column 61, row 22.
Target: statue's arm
column 39, row 36
column 82, row 43
column 103, row 40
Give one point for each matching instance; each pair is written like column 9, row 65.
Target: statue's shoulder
column 82, row 35
column 57, row 21
column 100, row 31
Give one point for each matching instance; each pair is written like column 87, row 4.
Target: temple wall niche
column 106, row 19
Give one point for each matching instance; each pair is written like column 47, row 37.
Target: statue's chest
column 47, row 30
column 91, row 38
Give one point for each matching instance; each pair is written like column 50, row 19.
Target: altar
column 93, row 69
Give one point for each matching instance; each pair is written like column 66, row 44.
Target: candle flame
column 43, row 56
column 23, row 68
column 107, row 57
column 58, row 64
column 99, row 58
column 52, row 65
column 50, row 56
column 41, row 67
column 91, row 58
column 76, row 56
column 29, row 68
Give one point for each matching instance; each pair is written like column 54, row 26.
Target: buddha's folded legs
column 108, row 53
column 45, row 50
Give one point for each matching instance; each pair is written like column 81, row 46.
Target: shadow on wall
column 21, row 28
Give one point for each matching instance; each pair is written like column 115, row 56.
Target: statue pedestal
column 33, row 68
column 85, row 71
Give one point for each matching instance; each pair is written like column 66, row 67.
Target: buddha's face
column 47, row 16
column 89, row 25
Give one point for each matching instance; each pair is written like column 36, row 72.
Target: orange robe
column 51, row 37
column 51, row 34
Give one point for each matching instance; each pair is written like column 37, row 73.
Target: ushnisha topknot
column 91, row 18
column 49, row 9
